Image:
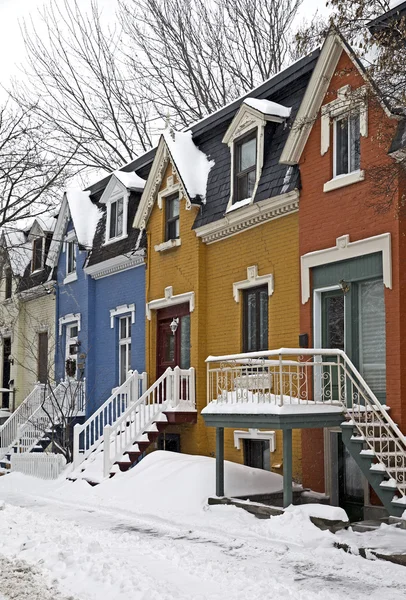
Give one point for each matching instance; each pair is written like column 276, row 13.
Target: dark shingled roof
column 31, row 280
column 275, row 178
column 287, row 88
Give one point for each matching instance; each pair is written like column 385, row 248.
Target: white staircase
column 88, row 436
column 120, row 442
column 43, row 407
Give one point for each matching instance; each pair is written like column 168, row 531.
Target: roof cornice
column 115, row 265
column 249, row 217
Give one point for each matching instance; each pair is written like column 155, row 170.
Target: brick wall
column 358, row 211
column 216, row 322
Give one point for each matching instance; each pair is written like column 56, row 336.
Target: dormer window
column 172, row 217
column 116, row 218
column 37, row 254
column 8, row 276
column 245, row 168
column 347, row 144
column 70, row 257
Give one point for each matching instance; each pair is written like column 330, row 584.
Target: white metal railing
column 65, row 401
column 10, row 429
column 175, row 389
column 297, row 376
column 89, row 435
column 44, row 466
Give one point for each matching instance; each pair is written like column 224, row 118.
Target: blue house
column 100, row 291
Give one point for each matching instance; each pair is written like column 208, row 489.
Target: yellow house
column 221, row 220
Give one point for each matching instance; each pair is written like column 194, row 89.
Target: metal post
column 287, row 467
column 219, row 461
column 76, row 432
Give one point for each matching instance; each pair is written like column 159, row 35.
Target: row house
column 237, row 292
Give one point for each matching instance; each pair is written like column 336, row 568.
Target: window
column 172, row 217
column 255, row 319
column 37, row 254
column 124, row 343
column 70, row 257
column 245, row 167
column 8, row 283
column 347, row 144
column 116, row 218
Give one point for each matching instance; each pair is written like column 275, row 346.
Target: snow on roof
column 267, row 107
column 46, row 222
column 85, row 215
column 131, row 180
column 192, row 164
column 19, row 250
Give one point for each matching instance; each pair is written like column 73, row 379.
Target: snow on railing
column 44, row 466
column 89, row 435
column 65, row 401
column 175, row 389
column 293, row 376
column 10, row 430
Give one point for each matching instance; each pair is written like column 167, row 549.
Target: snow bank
column 267, row 107
column 19, row 250
column 131, row 180
column 184, row 481
column 322, row 511
column 191, row 163
column 85, row 215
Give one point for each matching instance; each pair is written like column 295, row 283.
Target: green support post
column 219, row 461
column 287, row 467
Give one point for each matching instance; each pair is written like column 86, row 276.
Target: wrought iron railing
column 296, row 377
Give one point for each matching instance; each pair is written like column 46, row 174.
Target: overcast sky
column 12, row 11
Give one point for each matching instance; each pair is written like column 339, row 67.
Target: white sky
column 12, row 11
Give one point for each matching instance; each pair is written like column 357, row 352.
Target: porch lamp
column 345, row 286
column 174, row 325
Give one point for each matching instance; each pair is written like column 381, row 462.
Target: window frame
column 70, row 246
column 172, row 220
column 126, row 343
column 245, row 293
column 238, row 175
column 8, row 283
column 347, row 115
column 116, row 197
column 33, row 261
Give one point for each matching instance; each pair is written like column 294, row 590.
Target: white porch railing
column 10, row 430
column 295, row 377
column 89, row 435
column 44, row 466
column 175, row 389
column 65, row 401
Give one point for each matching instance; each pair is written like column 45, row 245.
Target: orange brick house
column 351, row 243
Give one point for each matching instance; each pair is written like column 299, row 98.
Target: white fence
column 44, row 466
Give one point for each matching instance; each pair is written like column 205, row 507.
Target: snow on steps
column 91, row 470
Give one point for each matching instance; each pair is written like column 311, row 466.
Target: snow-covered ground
column 149, row 534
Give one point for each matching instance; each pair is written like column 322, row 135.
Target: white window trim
column 255, row 434
column 70, row 318
column 259, row 126
column 34, row 239
column 122, row 310
column 253, row 280
column 114, row 198
column 69, row 239
column 126, row 342
column 167, row 245
column 344, row 250
column 170, row 300
column 347, row 100
column 340, row 181
column 70, row 340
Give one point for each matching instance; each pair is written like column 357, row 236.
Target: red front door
column 173, row 349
